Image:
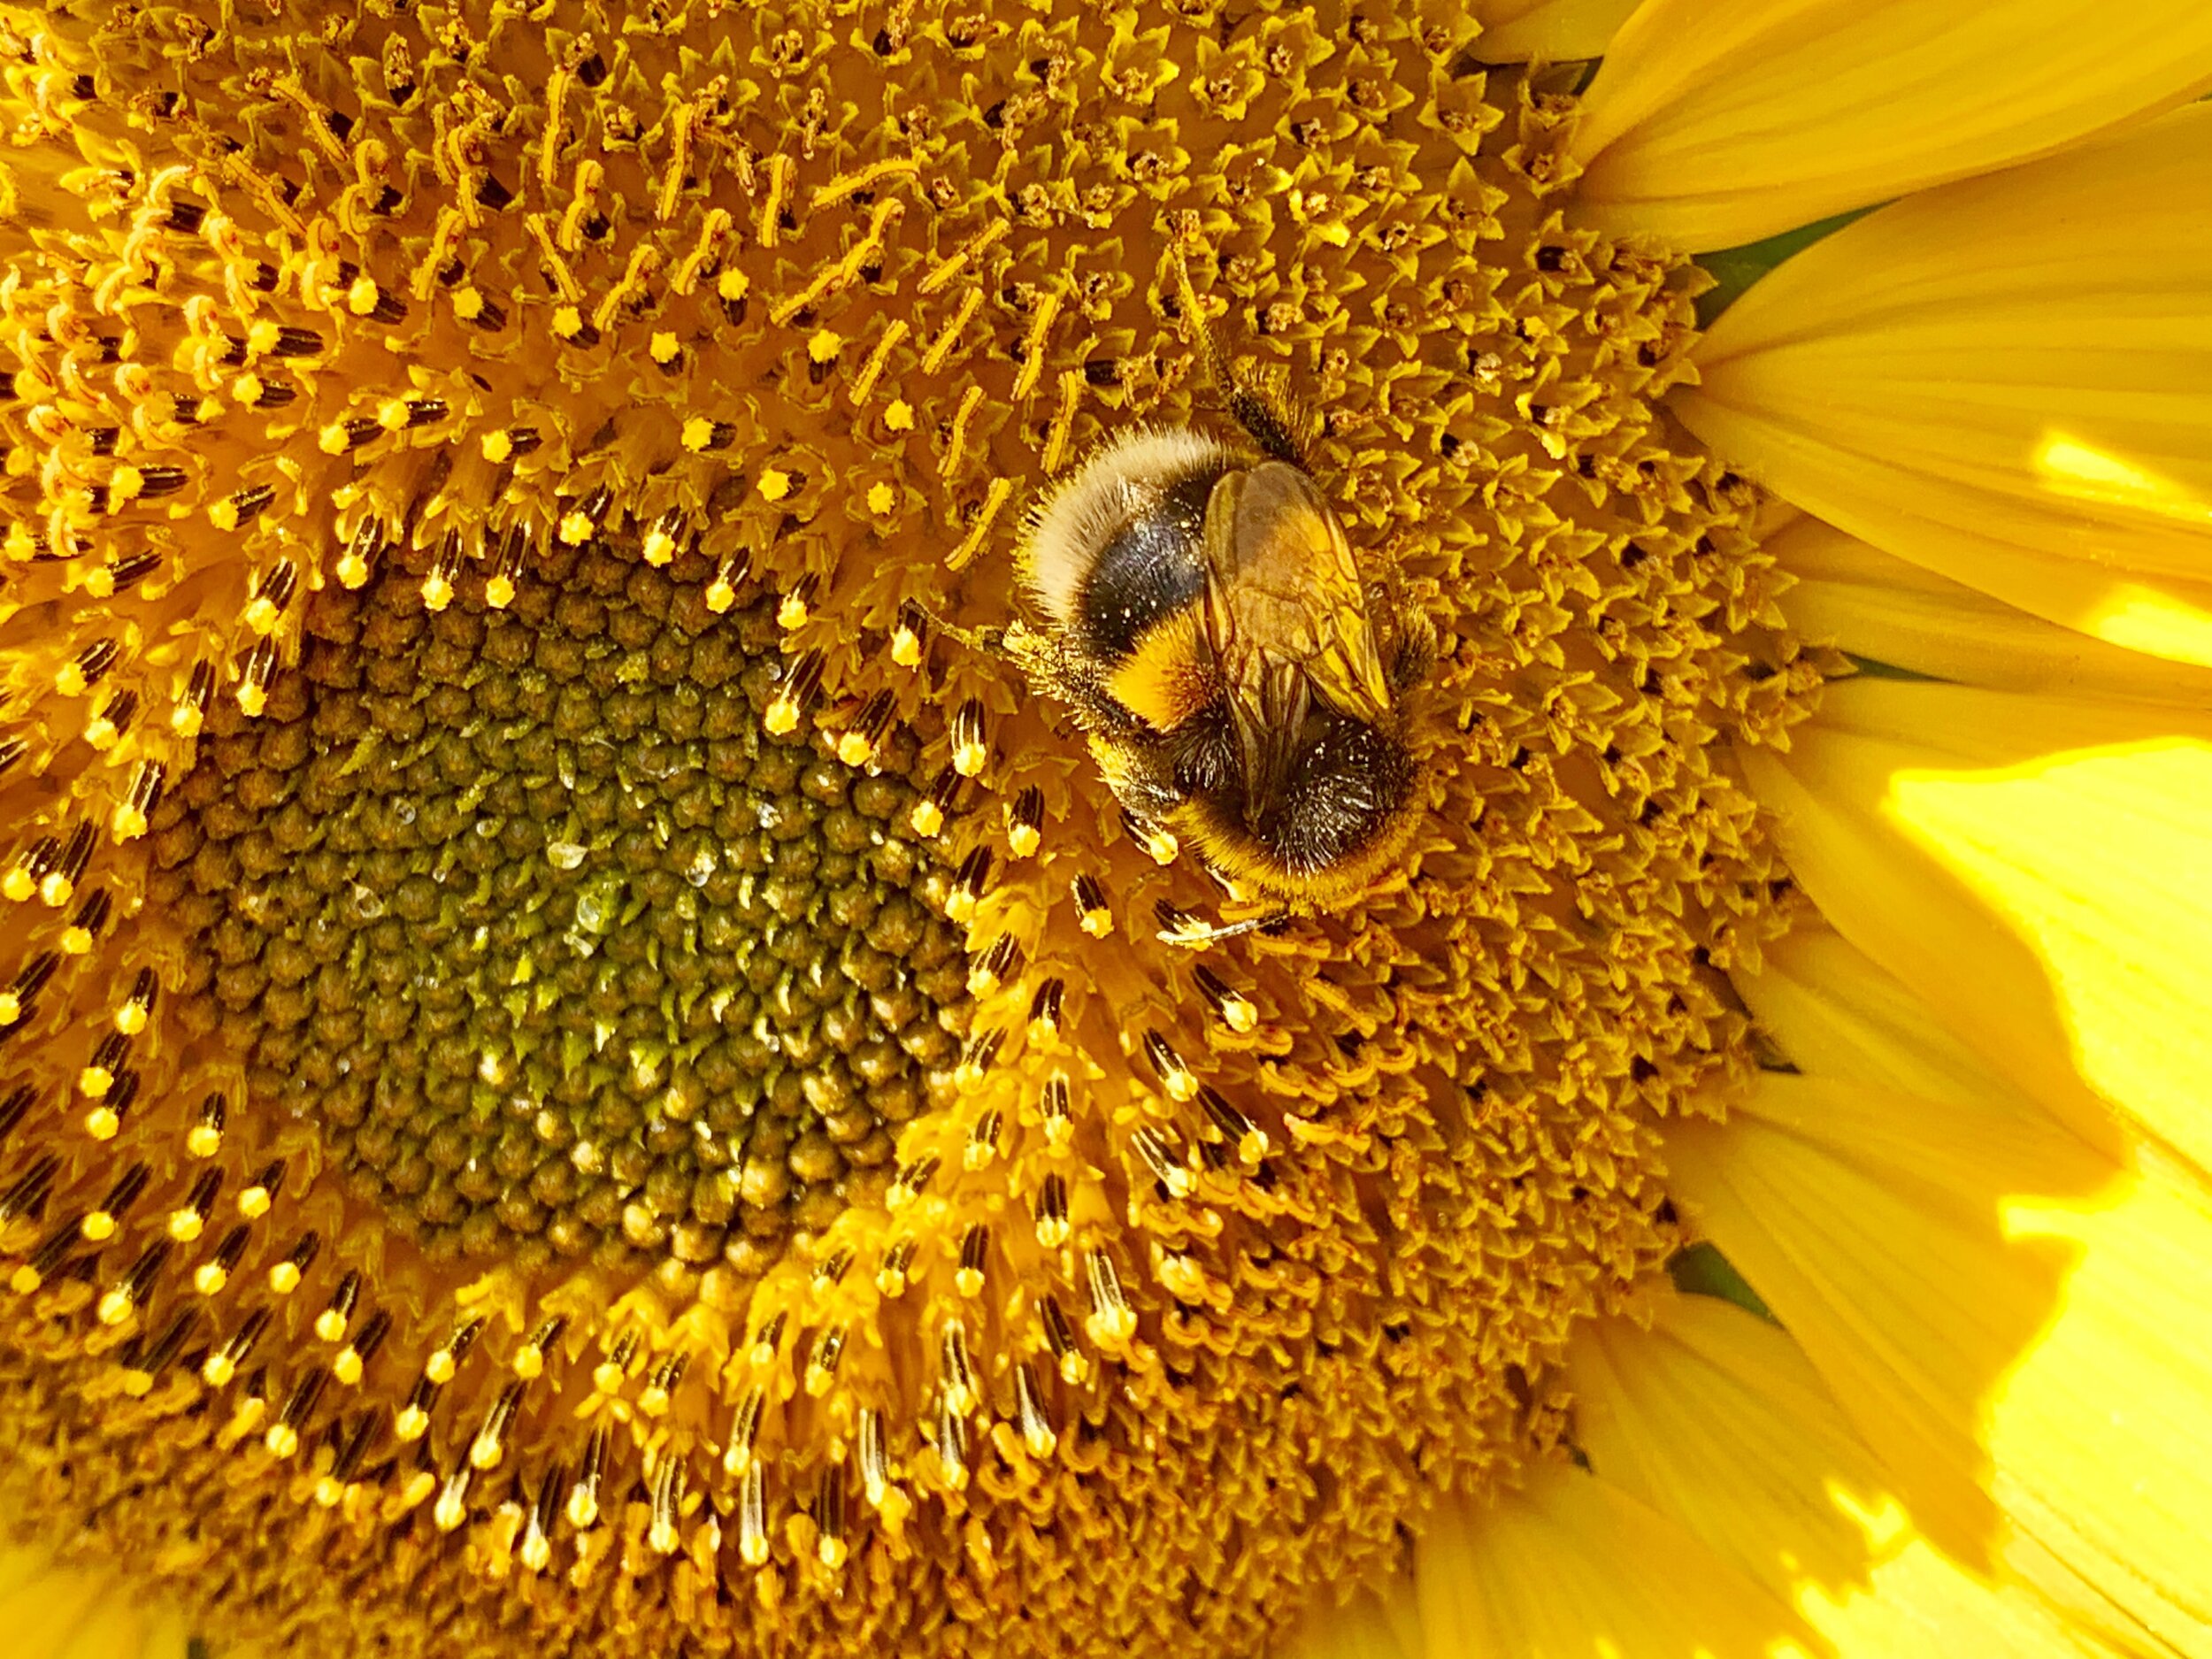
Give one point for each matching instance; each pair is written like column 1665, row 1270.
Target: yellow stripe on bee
column 1162, row 681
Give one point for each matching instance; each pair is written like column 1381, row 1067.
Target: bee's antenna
column 1271, row 420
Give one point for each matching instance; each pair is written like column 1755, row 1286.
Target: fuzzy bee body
column 1242, row 684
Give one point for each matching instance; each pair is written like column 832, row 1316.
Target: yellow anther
column 995, row 498
column 949, row 268
column 949, row 337
column 1033, row 346
column 864, row 382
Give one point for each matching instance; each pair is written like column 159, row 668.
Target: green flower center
column 562, row 947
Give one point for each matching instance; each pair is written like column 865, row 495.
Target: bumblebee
column 1244, row 686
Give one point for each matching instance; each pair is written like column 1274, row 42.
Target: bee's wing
column 1286, row 616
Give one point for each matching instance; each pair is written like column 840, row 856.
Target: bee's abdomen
column 1152, row 567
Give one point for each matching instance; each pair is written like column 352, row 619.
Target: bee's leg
column 1264, row 409
column 1190, row 932
column 915, row 617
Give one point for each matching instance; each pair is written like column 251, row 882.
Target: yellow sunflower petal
column 1836, row 1015
column 1572, row 1568
column 1876, row 606
column 1993, row 1303
column 2004, row 381
column 50, row 1612
column 1876, row 1259
column 2036, row 868
column 1374, row 1624
column 1713, row 125
column 1552, row 30
column 1716, row 1419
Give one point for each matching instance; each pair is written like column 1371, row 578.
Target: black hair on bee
column 1244, row 684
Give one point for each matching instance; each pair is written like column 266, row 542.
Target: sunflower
column 590, row 1070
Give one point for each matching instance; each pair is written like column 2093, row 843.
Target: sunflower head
column 590, row 1063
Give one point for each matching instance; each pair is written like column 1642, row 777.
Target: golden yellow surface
column 1179, row 1284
